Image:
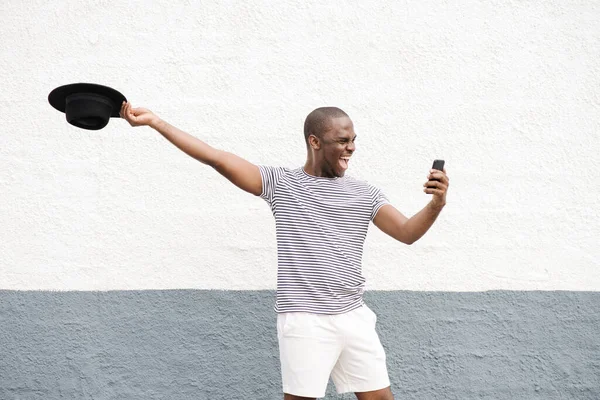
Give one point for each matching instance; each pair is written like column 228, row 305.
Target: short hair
column 316, row 122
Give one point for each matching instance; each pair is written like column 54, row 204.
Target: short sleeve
column 270, row 177
column 379, row 199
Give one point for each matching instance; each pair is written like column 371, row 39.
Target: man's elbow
column 404, row 235
column 408, row 241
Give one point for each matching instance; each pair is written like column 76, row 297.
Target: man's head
column 329, row 135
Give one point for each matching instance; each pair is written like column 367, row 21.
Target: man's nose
column 351, row 146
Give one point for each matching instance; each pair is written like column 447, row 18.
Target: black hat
column 87, row 105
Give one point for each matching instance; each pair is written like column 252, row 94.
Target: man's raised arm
column 409, row 230
column 240, row 172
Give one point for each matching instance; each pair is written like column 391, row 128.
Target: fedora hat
column 87, row 105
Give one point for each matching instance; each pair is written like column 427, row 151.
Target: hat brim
column 57, row 98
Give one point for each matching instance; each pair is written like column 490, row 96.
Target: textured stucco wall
column 506, row 92
column 222, row 345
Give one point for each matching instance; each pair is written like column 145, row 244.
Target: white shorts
column 313, row 347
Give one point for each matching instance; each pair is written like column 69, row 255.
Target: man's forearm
column 419, row 224
column 189, row 144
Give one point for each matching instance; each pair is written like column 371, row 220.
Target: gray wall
column 194, row 344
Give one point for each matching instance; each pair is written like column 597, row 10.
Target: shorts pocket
column 371, row 314
column 283, row 322
column 298, row 324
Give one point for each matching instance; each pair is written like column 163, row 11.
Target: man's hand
column 437, row 185
column 409, row 230
column 138, row 116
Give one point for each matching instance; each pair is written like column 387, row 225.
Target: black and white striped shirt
column 321, row 226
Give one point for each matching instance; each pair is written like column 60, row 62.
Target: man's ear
column 314, row 142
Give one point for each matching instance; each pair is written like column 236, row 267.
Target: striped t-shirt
column 321, row 225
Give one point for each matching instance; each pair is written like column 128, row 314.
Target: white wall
column 506, row 92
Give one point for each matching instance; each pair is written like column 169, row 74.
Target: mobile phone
column 438, row 164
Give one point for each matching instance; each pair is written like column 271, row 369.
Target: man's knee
column 287, row 396
column 382, row 394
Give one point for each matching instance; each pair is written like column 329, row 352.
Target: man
column 322, row 216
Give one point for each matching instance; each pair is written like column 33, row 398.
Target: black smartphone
column 438, row 164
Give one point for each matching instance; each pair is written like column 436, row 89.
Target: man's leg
column 361, row 367
column 309, row 347
column 292, row 397
column 382, row 394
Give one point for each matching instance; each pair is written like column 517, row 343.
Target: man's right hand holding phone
column 437, row 184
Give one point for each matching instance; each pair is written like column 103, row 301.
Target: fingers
column 437, row 182
column 441, row 176
column 432, row 186
column 125, row 110
column 136, row 116
column 435, row 192
column 127, row 113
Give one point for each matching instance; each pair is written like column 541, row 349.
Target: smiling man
column 330, row 132
column 322, row 216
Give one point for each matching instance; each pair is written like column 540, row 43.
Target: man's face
column 337, row 146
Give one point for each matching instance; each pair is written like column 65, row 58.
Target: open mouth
column 344, row 162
